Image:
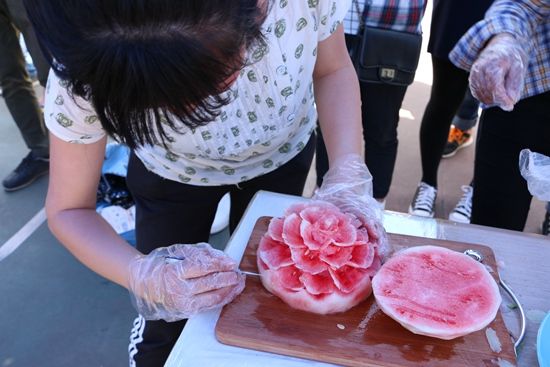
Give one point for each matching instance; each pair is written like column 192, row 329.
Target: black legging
column 449, row 86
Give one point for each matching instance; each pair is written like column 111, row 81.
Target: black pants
column 448, row 89
column 15, row 82
column 169, row 212
column 380, row 114
column 501, row 198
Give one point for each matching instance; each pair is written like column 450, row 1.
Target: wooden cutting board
column 361, row 337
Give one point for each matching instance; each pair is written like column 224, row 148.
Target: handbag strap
column 360, row 13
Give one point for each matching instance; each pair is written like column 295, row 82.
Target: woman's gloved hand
column 173, row 283
column 348, row 185
column 497, row 76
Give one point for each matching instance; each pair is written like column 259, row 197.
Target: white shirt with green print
column 269, row 121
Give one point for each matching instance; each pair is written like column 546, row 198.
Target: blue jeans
column 467, row 114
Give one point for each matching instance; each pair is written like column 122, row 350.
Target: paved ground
column 56, row 313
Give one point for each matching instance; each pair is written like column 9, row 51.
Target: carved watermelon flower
column 318, row 259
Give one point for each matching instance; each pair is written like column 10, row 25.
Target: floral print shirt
column 269, row 121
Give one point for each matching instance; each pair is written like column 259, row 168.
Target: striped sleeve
column 517, row 17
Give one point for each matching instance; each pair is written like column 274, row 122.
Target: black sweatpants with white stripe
column 169, row 212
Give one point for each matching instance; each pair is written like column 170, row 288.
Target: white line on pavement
column 17, row 239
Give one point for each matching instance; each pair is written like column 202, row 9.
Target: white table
column 197, row 345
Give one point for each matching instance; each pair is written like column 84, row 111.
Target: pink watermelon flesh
column 436, row 292
column 308, row 260
column 291, row 231
column 318, row 259
column 275, row 229
column 275, row 253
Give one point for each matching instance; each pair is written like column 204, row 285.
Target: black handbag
column 385, row 56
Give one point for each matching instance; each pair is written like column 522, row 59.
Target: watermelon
column 436, row 292
column 319, row 259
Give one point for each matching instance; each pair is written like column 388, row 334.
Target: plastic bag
column 535, row 169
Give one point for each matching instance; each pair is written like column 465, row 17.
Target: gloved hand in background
column 497, row 76
column 162, row 287
column 348, row 185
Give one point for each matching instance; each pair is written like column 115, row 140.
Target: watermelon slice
column 436, row 292
column 318, row 259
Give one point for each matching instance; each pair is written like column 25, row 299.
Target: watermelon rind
column 335, row 302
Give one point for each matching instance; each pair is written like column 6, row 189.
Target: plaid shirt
column 399, row 15
column 529, row 21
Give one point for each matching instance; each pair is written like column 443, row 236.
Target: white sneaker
column 423, row 203
column 221, row 220
column 463, row 209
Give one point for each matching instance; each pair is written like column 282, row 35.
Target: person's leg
column 17, row 88
column 468, row 112
column 546, row 221
column 460, row 134
column 449, row 86
column 321, row 157
column 501, row 197
column 287, row 179
column 167, row 212
column 380, row 112
column 20, row 19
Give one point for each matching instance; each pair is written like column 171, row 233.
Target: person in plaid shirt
column 507, row 54
column 380, row 110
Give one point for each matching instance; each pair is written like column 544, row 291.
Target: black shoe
column 546, row 224
column 27, row 172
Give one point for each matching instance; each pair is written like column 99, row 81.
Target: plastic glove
column 535, row 169
column 176, row 282
column 348, row 185
column 497, row 76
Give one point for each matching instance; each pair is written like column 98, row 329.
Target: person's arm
column 497, row 50
column 71, row 202
column 519, row 18
column 338, row 98
column 170, row 283
column 348, row 182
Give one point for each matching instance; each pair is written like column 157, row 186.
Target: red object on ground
column 436, row 292
column 318, row 259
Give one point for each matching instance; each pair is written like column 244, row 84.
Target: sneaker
column 546, row 224
column 423, row 203
column 30, row 169
column 457, row 140
column 463, row 209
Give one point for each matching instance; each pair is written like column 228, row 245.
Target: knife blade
column 250, row 273
column 172, row 260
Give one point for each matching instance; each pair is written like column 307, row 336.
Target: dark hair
column 141, row 61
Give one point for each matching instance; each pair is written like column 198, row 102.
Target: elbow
column 52, row 213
